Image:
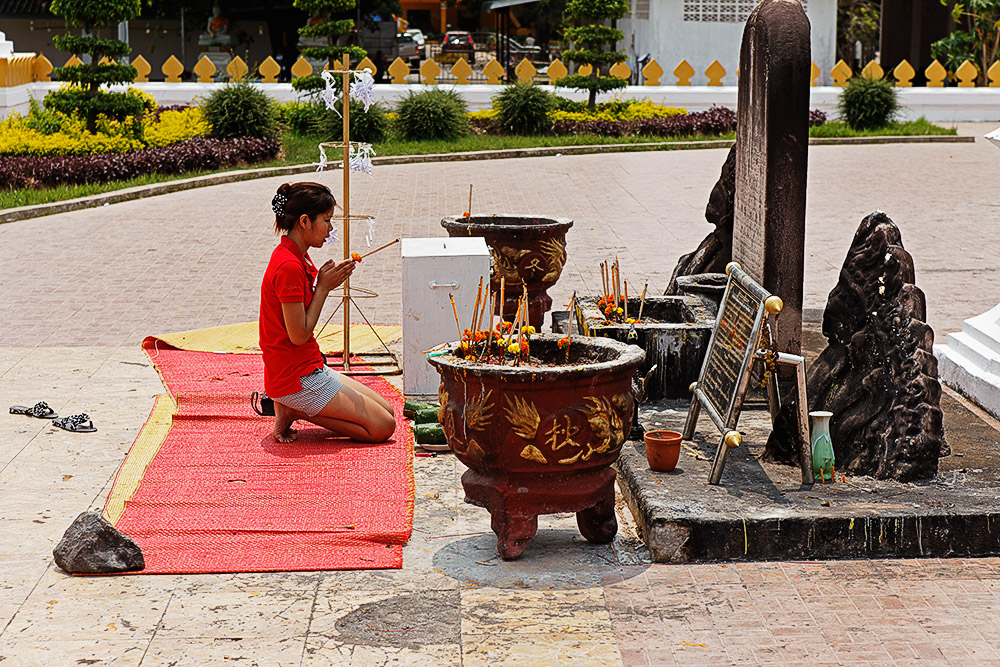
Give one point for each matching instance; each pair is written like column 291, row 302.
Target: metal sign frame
column 766, row 305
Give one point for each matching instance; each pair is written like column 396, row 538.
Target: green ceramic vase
column 822, row 446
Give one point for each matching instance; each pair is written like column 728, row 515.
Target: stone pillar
column 772, row 143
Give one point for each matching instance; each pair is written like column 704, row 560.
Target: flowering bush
column 639, row 110
column 715, row 121
column 171, row 127
column 17, row 137
column 48, row 132
column 191, row 155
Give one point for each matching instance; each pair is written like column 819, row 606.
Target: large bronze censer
column 526, row 250
column 540, row 438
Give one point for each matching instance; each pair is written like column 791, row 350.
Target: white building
column 701, row 31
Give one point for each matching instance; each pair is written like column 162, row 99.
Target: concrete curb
column 128, row 194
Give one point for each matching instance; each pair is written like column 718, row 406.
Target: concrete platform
column 762, row 512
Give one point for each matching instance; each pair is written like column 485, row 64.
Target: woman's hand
column 301, row 321
column 332, row 275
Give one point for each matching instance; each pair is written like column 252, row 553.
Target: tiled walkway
column 78, row 291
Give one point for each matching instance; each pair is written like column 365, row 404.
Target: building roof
column 493, row 5
column 25, row 8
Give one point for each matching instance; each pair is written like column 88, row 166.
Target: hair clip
column 278, row 204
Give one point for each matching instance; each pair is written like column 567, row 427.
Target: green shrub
column 301, row 118
column 432, row 114
column 370, row 126
column 313, row 119
column 866, row 104
column 85, row 96
column 593, row 44
column 241, row 110
column 566, row 104
column 42, row 120
column 523, row 108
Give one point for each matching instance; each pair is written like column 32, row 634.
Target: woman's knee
column 382, row 426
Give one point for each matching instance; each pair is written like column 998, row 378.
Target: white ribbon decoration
column 363, row 88
column 361, row 157
column 321, row 165
column 329, row 94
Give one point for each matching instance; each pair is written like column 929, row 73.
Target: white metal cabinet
column 432, row 269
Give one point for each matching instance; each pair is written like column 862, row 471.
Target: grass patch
column 303, row 150
column 918, row 127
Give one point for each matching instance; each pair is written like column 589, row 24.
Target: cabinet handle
column 436, row 285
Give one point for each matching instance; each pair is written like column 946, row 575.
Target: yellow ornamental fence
column 16, row 70
column 25, row 68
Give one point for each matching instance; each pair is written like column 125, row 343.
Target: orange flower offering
column 563, row 342
column 356, row 257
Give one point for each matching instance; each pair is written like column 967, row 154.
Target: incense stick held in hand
column 358, row 258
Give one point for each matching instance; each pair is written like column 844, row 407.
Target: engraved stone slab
column 772, row 143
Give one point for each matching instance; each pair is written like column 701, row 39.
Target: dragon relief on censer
column 520, row 265
column 573, row 434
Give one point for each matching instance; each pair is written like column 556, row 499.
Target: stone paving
column 80, row 290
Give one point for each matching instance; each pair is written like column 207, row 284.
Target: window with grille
column 641, row 10
column 720, row 11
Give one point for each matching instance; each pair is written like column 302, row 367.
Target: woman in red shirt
column 291, row 298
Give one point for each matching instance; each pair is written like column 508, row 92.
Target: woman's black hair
column 295, row 199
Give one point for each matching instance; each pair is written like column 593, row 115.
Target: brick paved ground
column 78, row 291
column 112, row 275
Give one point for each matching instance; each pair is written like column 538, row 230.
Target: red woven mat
column 221, row 496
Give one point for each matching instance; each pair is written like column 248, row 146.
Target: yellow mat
column 146, row 445
column 242, row 338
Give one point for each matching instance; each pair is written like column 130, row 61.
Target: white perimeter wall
column 670, row 39
column 942, row 105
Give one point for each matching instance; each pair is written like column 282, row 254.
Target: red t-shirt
column 289, row 278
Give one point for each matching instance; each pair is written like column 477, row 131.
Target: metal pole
column 346, row 205
column 183, row 40
column 123, row 37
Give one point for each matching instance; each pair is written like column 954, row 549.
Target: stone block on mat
column 91, row 545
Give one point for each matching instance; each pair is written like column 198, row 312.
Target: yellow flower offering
column 528, row 330
column 514, row 348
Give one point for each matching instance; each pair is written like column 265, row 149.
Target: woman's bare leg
column 356, row 415
column 367, row 391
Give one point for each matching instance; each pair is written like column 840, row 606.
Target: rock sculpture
column 91, row 545
column 877, row 374
column 716, row 250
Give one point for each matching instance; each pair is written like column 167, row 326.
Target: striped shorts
column 318, row 388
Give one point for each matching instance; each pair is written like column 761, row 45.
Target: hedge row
column 193, row 155
column 714, row 121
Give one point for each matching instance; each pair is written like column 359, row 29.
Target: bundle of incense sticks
column 476, row 343
column 614, row 294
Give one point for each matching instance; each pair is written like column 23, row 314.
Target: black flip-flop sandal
column 261, row 404
column 75, row 423
column 41, row 410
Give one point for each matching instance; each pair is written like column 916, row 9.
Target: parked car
column 518, row 51
column 383, row 45
column 408, row 50
column 457, row 45
column 418, row 36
